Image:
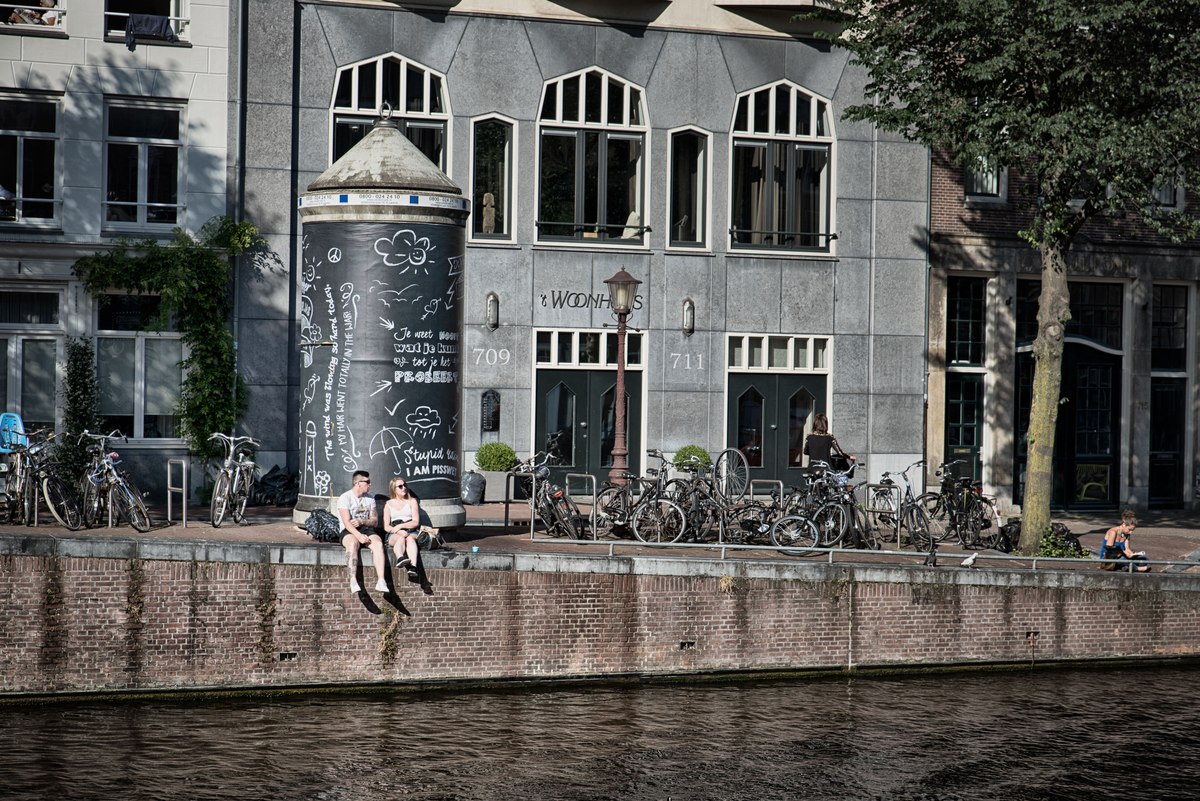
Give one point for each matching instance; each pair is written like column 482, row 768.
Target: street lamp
column 621, row 290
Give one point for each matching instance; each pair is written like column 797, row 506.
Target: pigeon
column 970, row 560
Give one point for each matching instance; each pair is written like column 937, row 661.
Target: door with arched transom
column 575, row 419
column 768, row 416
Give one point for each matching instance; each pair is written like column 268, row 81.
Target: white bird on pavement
column 970, row 560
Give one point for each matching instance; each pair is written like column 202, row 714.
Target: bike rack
column 181, row 488
column 891, row 491
column 591, row 481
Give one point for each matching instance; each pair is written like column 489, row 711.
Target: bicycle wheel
column 127, row 502
column 914, row 523
column 220, row 499
column 731, row 474
column 750, row 523
column 795, row 530
column 241, row 494
column 89, row 500
column 831, row 521
column 28, row 498
column 937, row 515
column 61, row 502
column 658, row 520
column 567, row 518
column 612, row 512
column 866, row 536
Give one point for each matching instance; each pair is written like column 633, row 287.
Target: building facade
column 698, row 145
column 1127, row 428
column 104, row 135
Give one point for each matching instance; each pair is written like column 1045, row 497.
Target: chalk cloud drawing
column 425, row 419
column 406, row 250
column 390, row 442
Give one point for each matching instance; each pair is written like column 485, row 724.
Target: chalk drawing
column 426, row 420
column 391, row 442
column 405, row 250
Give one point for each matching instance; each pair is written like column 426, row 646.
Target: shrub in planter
column 496, row 457
column 683, row 457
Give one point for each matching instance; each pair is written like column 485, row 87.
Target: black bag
column 473, row 485
column 323, row 526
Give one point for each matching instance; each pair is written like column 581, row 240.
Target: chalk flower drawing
column 322, row 480
column 405, row 249
column 425, row 419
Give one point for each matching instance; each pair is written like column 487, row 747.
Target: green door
column 964, row 423
column 575, row 421
column 768, row 415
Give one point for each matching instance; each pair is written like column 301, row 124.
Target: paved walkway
column 1166, row 537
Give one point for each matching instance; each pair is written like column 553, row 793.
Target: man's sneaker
column 413, row 576
column 381, row 586
column 355, row 587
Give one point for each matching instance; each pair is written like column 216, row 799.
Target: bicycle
column 231, row 489
column 702, row 502
column 902, row 512
column 959, row 508
column 105, row 489
column 557, row 511
column 652, row 517
column 31, row 475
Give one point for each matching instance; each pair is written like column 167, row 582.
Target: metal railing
column 181, row 489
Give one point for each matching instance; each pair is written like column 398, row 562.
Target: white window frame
column 511, row 182
column 143, row 204
column 115, row 21
column 805, row 353
column 705, row 196
column 560, row 124
column 22, row 136
column 15, row 334
column 31, row 8
column 822, row 136
column 139, row 340
column 424, row 117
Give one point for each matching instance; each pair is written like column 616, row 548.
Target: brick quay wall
column 85, row 615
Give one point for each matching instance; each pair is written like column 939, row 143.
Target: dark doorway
column 576, row 421
column 768, row 415
column 1168, row 430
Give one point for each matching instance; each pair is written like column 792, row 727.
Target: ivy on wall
column 192, row 276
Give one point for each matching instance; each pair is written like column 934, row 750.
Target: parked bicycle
column 641, row 506
column 231, row 489
column 960, row 509
column 900, row 513
column 105, row 491
column 548, row 501
column 31, row 477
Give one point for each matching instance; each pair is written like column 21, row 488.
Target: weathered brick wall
column 71, row 623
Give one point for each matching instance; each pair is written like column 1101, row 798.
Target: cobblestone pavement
column 1166, row 537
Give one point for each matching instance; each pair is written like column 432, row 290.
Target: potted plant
column 685, row 455
column 494, row 460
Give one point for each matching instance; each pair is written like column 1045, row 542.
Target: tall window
column 492, row 178
column 138, row 371
column 1168, row 337
column 782, row 159
column 169, row 13
column 965, row 306
column 143, row 151
column 591, row 175
column 689, row 188
column 30, row 332
column 415, row 93
column 28, row 160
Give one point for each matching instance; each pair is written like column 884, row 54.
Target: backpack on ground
column 322, row 526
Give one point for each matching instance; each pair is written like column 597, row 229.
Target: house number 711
column 683, row 361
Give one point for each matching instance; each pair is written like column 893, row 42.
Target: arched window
column 415, row 93
column 782, row 170
column 591, row 170
column 493, row 177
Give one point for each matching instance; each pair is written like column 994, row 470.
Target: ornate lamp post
column 621, row 290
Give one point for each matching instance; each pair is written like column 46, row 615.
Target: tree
column 1094, row 102
column 192, row 277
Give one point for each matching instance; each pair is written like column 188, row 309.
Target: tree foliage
column 191, row 275
column 1094, row 103
column 81, row 405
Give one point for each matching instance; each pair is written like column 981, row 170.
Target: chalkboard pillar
column 383, row 249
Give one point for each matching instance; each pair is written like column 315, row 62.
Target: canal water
column 1064, row 734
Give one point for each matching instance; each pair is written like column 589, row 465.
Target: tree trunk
column 1054, row 310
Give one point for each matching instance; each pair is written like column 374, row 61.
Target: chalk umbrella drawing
column 390, row 442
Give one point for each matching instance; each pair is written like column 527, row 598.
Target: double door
column 768, row 416
column 575, row 420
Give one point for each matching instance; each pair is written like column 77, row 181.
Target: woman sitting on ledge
column 1116, row 545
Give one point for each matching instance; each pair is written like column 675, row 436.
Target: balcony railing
column 35, row 16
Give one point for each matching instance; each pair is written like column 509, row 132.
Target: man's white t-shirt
column 360, row 508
